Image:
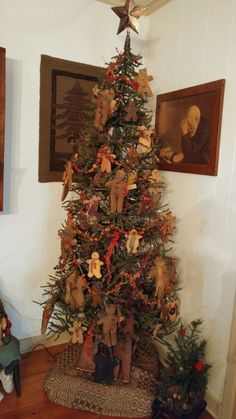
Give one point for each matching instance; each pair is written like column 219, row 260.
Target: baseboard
column 213, row 405
column 30, row 343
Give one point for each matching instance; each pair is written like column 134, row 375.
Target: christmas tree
column 116, row 277
column 183, row 382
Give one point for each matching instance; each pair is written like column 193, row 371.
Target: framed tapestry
column 66, row 109
column 188, row 124
column 2, row 118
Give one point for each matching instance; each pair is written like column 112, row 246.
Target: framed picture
column 188, row 123
column 66, row 111
column 2, row 118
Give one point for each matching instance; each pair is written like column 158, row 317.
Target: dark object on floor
column 103, row 365
column 158, row 413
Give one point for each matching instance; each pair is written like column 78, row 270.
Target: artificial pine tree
column 183, row 382
column 116, row 279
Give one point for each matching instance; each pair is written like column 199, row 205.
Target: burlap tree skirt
column 64, row 386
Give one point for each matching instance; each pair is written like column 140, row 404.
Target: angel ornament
column 77, row 331
column 132, row 243
column 95, row 266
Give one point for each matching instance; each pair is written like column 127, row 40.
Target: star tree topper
column 128, row 16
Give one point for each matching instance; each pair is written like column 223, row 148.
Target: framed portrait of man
column 188, row 123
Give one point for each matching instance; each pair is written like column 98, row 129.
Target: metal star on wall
column 128, row 17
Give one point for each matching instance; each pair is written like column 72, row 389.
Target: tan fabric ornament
column 77, row 331
column 106, row 159
column 170, row 220
column 67, row 238
column 143, row 80
column 145, row 140
column 47, row 312
column 118, row 186
column 109, row 325
column 105, row 107
column 161, row 275
column 155, row 178
column 75, row 291
column 131, row 110
column 170, row 309
column 67, row 180
column 132, row 243
column 95, row 266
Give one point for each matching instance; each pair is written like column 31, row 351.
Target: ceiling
column 151, row 4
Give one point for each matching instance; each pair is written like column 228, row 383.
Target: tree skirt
column 64, row 386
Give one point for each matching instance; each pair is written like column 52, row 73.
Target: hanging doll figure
column 105, row 106
column 155, row 178
column 103, row 365
column 161, row 275
column 92, row 208
column 145, row 140
column 125, row 347
column 75, row 291
column 109, row 325
column 94, row 266
column 67, row 180
column 68, row 239
column 106, row 157
column 77, row 332
column 118, row 187
column 132, row 243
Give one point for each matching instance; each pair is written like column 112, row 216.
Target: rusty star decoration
column 129, row 16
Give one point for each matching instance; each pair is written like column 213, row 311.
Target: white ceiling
column 151, row 4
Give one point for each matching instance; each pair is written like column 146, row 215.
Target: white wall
column 193, row 42
column 79, row 30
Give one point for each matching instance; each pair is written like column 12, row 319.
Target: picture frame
column 65, row 103
column 188, row 124
column 2, row 118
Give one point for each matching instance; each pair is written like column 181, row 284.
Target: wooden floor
column 33, row 402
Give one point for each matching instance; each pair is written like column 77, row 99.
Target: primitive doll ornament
column 109, row 325
column 143, row 80
column 68, row 239
column 67, row 180
column 92, row 208
column 95, row 266
column 155, row 178
column 145, row 140
column 77, row 331
column 75, row 285
column 106, row 156
column 105, row 106
column 161, row 275
column 118, row 191
column 132, row 243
